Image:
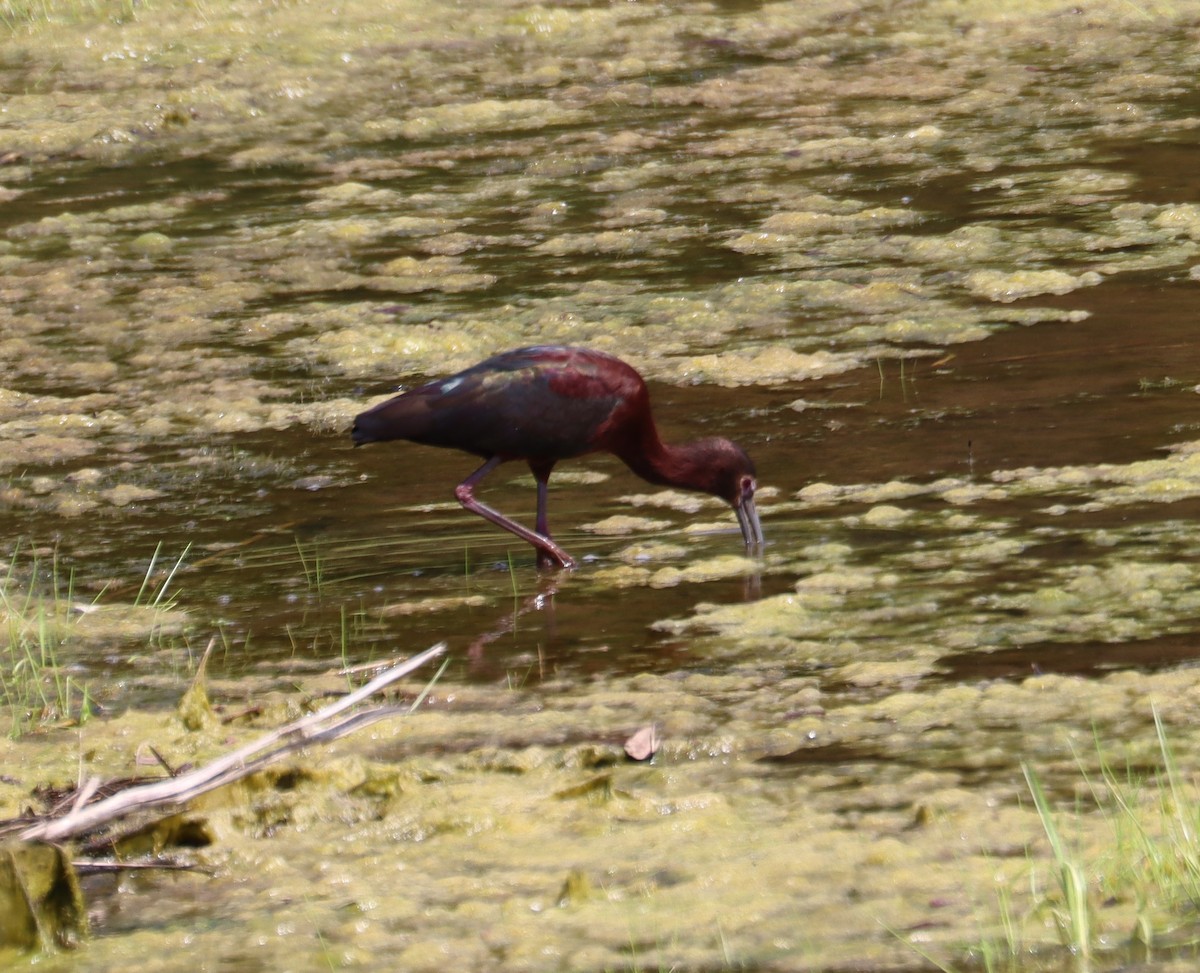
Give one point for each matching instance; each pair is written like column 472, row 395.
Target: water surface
column 934, row 268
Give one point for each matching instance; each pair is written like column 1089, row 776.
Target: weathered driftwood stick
column 240, row 763
column 187, row 788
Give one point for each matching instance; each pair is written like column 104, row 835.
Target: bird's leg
column 542, row 475
column 543, row 523
column 549, row 553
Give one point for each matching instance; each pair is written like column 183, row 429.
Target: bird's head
column 731, row 477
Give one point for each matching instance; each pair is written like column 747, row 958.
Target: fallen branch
column 314, row 728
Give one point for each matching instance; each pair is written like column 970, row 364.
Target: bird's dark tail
column 359, row 433
column 403, row 417
column 371, row 427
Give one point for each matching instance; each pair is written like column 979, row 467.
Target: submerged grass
column 313, row 566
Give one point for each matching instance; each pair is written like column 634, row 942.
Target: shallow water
column 936, row 270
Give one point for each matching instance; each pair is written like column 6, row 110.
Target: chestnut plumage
column 549, row 403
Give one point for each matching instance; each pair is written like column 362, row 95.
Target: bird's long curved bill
column 747, row 516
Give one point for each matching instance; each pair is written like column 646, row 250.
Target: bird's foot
column 555, row 560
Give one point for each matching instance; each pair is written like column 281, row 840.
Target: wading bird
column 549, row 403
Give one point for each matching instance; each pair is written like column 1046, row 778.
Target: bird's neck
column 665, row 464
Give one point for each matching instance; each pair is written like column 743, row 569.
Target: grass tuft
column 1127, row 887
column 34, row 688
column 41, row 635
column 1073, row 913
column 15, row 14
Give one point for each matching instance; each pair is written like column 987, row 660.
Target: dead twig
column 314, row 728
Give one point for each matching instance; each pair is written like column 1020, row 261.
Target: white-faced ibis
column 550, row 403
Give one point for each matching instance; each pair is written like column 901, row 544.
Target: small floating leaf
column 643, row 744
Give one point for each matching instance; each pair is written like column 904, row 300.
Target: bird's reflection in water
column 540, row 601
column 752, row 586
column 543, row 601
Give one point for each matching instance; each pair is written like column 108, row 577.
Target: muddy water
column 936, row 270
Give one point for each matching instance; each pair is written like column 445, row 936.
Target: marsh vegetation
column 935, row 266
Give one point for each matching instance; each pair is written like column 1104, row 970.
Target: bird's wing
column 525, row 411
